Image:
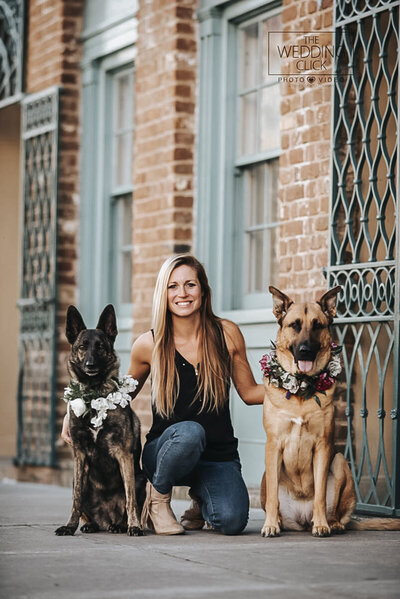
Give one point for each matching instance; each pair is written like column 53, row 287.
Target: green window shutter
column 12, row 19
column 37, row 304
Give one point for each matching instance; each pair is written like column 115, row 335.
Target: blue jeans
column 174, row 459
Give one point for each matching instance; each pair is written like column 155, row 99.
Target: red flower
column 324, row 382
column 264, row 363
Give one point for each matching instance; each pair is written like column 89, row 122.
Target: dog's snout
column 304, row 348
column 305, row 351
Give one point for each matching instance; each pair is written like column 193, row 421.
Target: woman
column 192, row 356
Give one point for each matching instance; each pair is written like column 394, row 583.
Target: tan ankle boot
column 157, row 513
column 193, row 519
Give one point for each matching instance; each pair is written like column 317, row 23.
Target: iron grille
column 11, row 50
column 36, row 389
column 364, row 249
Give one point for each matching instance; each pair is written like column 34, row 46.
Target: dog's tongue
column 305, row 365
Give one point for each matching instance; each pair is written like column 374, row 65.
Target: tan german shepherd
column 305, row 486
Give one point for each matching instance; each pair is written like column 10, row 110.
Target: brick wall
column 305, row 165
column 53, row 56
column 165, row 92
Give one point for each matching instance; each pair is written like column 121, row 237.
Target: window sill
column 241, row 317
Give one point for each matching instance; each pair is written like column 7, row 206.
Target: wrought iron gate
column 364, row 248
column 36, row 385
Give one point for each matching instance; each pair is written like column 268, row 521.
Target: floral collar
column 82, row 400
column 298, row 383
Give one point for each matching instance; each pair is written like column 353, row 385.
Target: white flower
column 98, row 420
column 78, row 406
column 290, row 383
column 128, row 384
column 334, row 367
column 101, row 403
column 126, row 398
column 67, row 393
column 275, row 382
column 303, row 385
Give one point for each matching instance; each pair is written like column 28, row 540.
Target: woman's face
column 184, row 292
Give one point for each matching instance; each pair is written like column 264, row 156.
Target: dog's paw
column 135, row 531
column 90, row 527
column 65, row 531
column 270, row 530
column 117, row 528
column 321, row 531
column 337, row 528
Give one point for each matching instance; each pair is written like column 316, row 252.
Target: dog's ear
column 328, row 302
column 282, row 303
column 108, row 323
column 74, row 324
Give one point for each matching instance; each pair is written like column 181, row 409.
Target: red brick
column 296, row 156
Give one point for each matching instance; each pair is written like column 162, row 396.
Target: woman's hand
column 65, row 431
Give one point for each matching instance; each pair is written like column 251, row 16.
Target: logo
column 303, row 57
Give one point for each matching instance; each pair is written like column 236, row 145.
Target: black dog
column 109, row 485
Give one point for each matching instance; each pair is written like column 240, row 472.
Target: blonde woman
column 192, row 356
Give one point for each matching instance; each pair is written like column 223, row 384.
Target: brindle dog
column 305, row 485
column 109, row 485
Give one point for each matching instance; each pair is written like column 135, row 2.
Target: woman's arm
column 140, row 363
column 139, row 369
column 249, row 391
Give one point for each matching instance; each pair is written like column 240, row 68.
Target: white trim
column 241, row 9
column 242, row 317
column 113, row 39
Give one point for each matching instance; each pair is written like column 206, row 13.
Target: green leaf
column 317, row 400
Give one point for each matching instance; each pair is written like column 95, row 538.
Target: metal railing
column 364, row 252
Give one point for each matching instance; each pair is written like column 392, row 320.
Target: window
column 237, row 182
column 256, row 165
column 121, row 86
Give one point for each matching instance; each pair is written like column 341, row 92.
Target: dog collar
column 301, row 384
column 82, row 400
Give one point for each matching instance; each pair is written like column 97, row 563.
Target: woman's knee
column 233, row 523
column 229, row 519
column 190, row 434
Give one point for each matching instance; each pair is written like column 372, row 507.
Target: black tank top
column 221, row 443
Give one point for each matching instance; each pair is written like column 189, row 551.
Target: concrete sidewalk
column 34, row 563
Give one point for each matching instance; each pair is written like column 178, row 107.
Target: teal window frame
column 219, row 173
column 118, row 194
column 97, row 228
column 109, row 44
column 256, row 175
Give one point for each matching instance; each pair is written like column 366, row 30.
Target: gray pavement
column 34, row 563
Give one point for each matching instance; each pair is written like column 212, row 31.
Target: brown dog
column 305, row 485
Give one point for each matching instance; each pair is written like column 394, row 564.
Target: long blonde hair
column 214, row 366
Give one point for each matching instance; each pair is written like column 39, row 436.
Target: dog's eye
column 317, row 326
column 82, row 347
column 296, row 325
